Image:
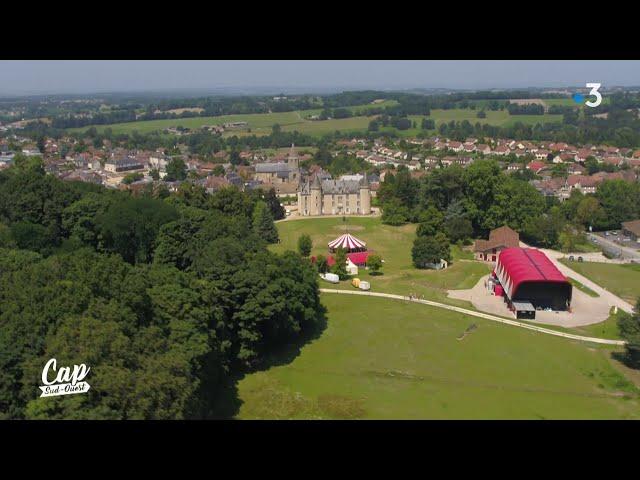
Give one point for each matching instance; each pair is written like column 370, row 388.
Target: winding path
column 479, row 315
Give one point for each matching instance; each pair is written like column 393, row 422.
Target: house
column 583, row 183
column 455, row 146
column 536, row 166
column 615, row 161
column 499, row 239
column 542, row 154
column 583, row 154
column 469, row 147
column 501, row 150
column 576, row 169
column 125, row 164
column 483, row 148
column 631, row 229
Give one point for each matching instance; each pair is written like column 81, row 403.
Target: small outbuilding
column 499, row 239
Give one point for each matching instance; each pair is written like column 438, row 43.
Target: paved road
column 626, row 252
column 479, row 315
column 611, row 299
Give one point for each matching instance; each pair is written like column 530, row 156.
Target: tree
column 620, row 201
column 374, row 263
column 132, row 177
column 431, row 222
column 263, row 225
column 276, row 208
column 394, row 213
column 176, row 170
column 430, row 250
column 304, row 245
column 321, row 264
column 130, row 226
column 629, row 327
column 340, row 267
column 589, row 212
column 459, row 229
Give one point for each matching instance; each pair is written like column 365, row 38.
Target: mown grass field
column 388, row 359
column 394, row 245
column 261, row 123
column 623, row 280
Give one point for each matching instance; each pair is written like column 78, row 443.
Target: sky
column 95, row 76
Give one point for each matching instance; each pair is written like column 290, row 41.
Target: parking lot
column 617, row 237
column 617, row 245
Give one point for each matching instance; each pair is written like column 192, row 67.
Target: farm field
column 623, row 280
column 261, row 123
column 387, row 359
column 394, row 245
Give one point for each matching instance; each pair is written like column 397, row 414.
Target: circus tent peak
column 348, row 242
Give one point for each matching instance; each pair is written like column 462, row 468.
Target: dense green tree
column 340, row 267
column 620, row 201
column 430, row 250
column 374, row 263
column 321, row 264
column 305, row 245
column 130, row 226
column 629, row 327
column 431, row 222
column 263, row 225
column 176, row 170
column 394, row 213
column 459, row 229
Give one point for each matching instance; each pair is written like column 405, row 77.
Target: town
column 554, row 169
column 365, row 254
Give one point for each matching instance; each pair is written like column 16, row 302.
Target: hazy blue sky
column 78, row 76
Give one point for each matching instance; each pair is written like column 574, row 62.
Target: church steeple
column 292, row 159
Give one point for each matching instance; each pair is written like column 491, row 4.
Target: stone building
column 280, row 172
column 334, row 197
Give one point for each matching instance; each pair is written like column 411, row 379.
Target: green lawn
column 394, row 245
column 582, row 287
column 387, row 359
column 261, row 123
column 606, row 329
column 623, row 280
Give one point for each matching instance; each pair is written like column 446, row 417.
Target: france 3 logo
column 579, row 98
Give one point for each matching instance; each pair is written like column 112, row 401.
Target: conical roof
column 348, row 242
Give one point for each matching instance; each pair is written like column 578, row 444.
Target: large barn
column 530, row 279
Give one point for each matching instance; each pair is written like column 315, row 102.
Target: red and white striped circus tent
column 349, row 243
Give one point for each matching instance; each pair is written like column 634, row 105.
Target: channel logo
column 580, row 99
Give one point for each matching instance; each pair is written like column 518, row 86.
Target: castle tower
column 316, row 197
column 365, row 196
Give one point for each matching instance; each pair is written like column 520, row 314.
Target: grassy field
column 623, row 280
column 387, row 359
column 582, row 287
column 393, row 244
column 261, row 123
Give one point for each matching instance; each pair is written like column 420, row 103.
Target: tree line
column 167, row 297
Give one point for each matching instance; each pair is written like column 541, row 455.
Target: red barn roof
column 518, row 265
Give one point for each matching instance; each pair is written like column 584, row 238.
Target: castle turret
column 365, row 196
column 316, row 197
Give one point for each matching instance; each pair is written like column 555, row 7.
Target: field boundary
column 486, row 316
